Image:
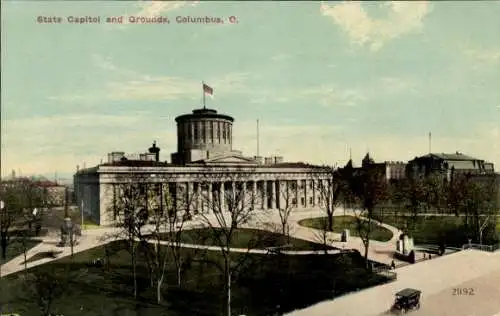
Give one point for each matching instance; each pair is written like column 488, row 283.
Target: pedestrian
column 393, row 265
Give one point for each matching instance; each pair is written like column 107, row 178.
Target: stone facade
column 203, row 189
column 204, row 172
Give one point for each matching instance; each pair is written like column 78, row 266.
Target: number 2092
column 466, row 291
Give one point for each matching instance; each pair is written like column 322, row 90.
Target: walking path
column 245, row 250
column 266, row 220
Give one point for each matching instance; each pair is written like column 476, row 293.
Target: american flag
column 208, row 90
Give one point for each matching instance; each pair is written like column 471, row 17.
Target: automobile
column 406, row 300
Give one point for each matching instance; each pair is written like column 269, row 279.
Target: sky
column 324, row 79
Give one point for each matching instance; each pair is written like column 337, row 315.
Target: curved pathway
column 245, row 250
column 377, row 251
column 264, row 220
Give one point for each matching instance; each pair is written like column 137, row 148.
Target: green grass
column 89, row 224
column 437, row 229
column 42, row 255
column 15, row 248
column 244, row 238
column 260, row 284
column 346, row 222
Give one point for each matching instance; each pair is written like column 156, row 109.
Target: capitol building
column 201, row 175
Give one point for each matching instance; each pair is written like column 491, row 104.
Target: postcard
column 250, row 158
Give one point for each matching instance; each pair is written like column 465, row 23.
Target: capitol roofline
column 203, row 113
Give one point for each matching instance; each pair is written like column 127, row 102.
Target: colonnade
column 256, row 194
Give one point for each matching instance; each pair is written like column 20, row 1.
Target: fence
column 386, row 272
column 489, row 248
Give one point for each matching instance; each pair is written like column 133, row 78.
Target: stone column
column 297, row 195
column 273, row 194
column 233, row 196
column 264, row 195
column 313, row 192
column 243, row 194
column 198, row 198
column 222, row 197
column 306, row 190
column 190, row 197
column 210, row 206
column 254, row 194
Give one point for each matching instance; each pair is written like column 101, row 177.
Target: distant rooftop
column 455, row 156
column 137, row 163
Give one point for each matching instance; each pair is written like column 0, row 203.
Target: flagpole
column 258, row 140
column 430, row 139
column 203, row 90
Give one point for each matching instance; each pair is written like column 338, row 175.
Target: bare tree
column 20, row 197
column 168, row 217
column 176, row 218
column 479, row 203
column 285, row 207
column 226, row 205
column 413, row 196
column 371, row 188
column 321, row 235
column 45, row 287
column 131, row 212
column 330, row 191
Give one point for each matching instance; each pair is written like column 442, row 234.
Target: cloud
column 483, row 55
column 394, row 85
column 328, row 95
column 48, row 144
column 402, row 18
column 171, row 88
column 136, row 86
column 281, row 57
column 154, row 8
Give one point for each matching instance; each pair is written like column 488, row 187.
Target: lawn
column 244, row 238
column 437, row 229
column 263, row 285
column 15, row 248
column 346, row 222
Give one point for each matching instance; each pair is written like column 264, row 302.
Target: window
column 189, row 132
column 294, row 201
column 196, row 138
column 224, row 132
column 218, row 132
column 311, row 200
column 302, row 201
column 210, row 132
column 203, row 132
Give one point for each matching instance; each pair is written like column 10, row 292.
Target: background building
column 391, row 170
column 448, row 165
